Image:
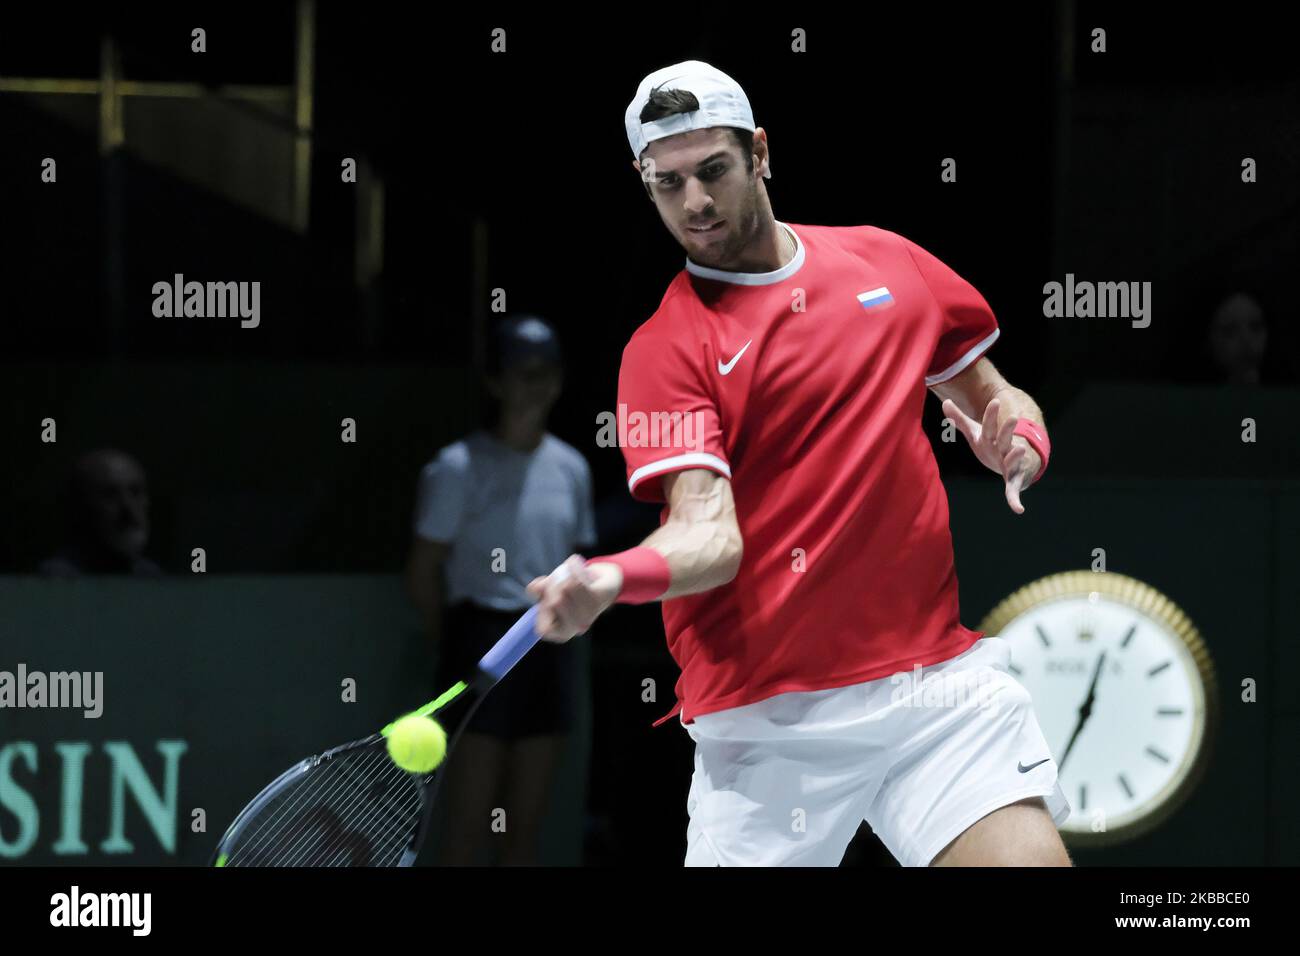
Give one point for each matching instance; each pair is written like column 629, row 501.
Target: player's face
column 706, row 195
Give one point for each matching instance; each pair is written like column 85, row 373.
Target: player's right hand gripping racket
column 352, row 806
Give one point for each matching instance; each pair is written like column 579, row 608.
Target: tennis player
column 804, row 561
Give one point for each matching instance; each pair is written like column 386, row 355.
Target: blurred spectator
column 1237, row 340
column 494, row 511
column 106, row 518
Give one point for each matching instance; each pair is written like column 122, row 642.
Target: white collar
column 754, row 278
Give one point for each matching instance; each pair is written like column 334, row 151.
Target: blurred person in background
column 106, row 518
column 495, row 510
column 1237, row 340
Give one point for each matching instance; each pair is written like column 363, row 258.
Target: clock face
column 1121, row 695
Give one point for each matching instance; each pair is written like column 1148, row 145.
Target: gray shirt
column 509, row 516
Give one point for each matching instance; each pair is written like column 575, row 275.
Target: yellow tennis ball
column 417, row 744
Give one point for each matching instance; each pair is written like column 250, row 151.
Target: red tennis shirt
column 804, row 387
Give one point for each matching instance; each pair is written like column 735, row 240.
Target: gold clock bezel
column 1146, row 600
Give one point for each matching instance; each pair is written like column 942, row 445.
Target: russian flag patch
column 875, row 297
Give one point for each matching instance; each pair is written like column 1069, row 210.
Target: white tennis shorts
column 920, row 755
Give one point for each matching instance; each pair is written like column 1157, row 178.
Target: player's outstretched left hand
column 1000, row 451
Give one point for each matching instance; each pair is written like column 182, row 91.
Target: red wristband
column 1037, row 439
column 645, row 574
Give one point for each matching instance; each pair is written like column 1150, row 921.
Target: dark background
column 1123, row 166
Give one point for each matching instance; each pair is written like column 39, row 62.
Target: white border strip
column 675, row 462
column 962, row 362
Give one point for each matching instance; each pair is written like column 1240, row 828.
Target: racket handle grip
column 508, row 651
column 517, row 642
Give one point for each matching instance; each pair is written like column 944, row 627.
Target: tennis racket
column 352, row 806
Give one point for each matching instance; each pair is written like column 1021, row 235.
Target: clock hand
column 1085, row 711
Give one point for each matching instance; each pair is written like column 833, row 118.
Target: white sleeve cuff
column 677, row 463
column 961, row 364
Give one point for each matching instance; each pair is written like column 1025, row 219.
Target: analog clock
column 1124, row 691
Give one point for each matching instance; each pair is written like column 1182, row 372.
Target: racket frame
column 494, row 665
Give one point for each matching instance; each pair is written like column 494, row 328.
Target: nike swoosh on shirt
column 1023, row 769
column 726, row 369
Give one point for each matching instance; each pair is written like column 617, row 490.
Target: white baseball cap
column 722, row 103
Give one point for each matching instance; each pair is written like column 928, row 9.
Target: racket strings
column 385, row 808
column 338, row 818
column 356, row 809
column 349, row 804
column 352, row 823
column 273, row 820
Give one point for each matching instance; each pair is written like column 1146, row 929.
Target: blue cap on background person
column 518, row 338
